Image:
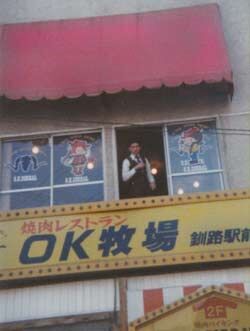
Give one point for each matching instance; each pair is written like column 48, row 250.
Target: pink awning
column 108, row 54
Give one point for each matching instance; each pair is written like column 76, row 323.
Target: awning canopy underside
column 113, row 53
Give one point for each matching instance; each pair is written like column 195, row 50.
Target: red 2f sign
column 215, row 307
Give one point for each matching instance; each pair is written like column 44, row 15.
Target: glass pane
column 32, row 199
column 78, row 159
column 78, row 194
column 193, row 147
column 196, row 183
column 26, row 164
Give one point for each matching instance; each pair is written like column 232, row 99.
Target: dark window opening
column 151, row 153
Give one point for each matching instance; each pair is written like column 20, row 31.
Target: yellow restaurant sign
column 127, row 234
column 209, row 309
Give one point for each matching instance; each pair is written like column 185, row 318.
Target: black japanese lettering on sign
column 159, row 236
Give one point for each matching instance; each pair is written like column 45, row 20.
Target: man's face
column 135, row 148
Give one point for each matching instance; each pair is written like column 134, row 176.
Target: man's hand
column 140, row 165
column 152, row 186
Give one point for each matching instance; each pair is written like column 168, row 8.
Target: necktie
column 138, row 159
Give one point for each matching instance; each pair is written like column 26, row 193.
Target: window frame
column 50, row 136
column 165, row 124
column 170, row 175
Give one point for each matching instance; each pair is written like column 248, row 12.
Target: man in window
column 136, row 173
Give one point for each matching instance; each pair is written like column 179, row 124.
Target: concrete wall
column 20, row 118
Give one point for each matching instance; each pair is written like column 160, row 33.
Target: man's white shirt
column 129, row 173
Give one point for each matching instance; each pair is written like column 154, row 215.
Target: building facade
column 62, row 153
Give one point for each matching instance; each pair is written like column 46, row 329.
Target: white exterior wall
column 172, row 285
column 56, row 300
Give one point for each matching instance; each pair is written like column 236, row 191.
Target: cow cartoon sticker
column 78, row 156
column 77, row 159
column 191, row 143
column 193, row 147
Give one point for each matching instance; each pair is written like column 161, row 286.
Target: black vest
column 141, row 174
column 138, row 185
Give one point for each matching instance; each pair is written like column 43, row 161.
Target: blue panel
column 193, row 147
column 74, row 154
column 31, row 199
column 197, row 183
column 23, row 168
column 78, row 194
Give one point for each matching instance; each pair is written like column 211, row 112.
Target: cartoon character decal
column 193, row 147
column 191, row 143
column 78, row 156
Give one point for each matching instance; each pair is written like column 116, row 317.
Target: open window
column 150, row 140
column 183, row 158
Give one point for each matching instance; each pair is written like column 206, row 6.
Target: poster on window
column 78, row 159
column 193, row 147
column 26, row 165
